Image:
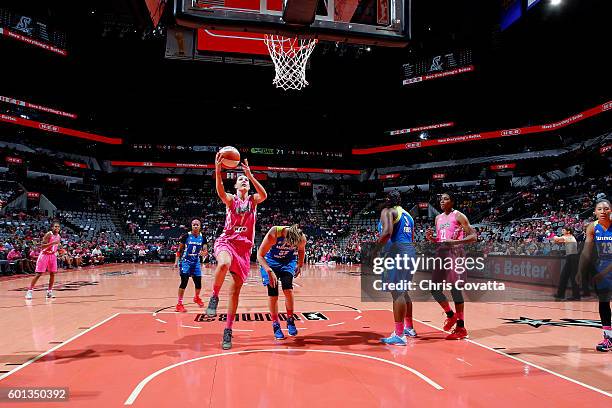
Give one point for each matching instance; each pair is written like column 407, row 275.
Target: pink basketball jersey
column 447, row 227
column 240, row 220
column 52, row 250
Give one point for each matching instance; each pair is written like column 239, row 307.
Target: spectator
column 571, row 265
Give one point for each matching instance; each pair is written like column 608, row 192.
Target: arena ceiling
column 548, row 65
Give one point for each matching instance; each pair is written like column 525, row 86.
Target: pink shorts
column 46, row 263
column 241, row 255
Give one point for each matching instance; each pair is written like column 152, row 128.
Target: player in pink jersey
column 452, row 230
column 233, row 248
column 47, row 259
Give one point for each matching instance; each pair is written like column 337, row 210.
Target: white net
column 290, row 56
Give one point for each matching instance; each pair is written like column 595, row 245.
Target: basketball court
column 112, row 338
column 373, row 100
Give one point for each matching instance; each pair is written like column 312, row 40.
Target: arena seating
column 123, row 220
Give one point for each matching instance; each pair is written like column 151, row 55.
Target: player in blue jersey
column 281, row 257
column 396, row 228
column 188, row 261
column 599, row 233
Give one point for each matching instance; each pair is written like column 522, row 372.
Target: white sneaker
column 50, row 294
column 395, row 340
column 409, row 332
column 28, row 295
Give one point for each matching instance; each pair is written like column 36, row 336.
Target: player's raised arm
column 261, row 194
column 225, row 197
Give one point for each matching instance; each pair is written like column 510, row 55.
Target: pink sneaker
column 605, row 345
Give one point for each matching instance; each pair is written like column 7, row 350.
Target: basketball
column 231, row 157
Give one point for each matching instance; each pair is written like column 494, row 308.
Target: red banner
column 605, row 149
column 488, row 135
column 14, row 160
column 305, row 183
column 388, row 176
column 423, row 206
column 11, row 34
column 37, row 107
column 421, row 128
column 158, row 164
column 212, row 166
column 33, row 195
column 437, row 75
column 438, row 176
column 76, row 165
column 505, row 166
column 304, row 170
column 57, row 129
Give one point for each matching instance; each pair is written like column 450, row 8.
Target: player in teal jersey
column 599, row 233
column 281, row 257
column 396, row 229
column 188, row 262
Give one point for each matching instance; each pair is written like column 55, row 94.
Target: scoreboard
column 32, row 30
column 437, row 66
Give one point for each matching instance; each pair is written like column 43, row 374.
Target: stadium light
column 555, row 2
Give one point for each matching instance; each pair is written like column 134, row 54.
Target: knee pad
column 184, row 281
column 197, row 281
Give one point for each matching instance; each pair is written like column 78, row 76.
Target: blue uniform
column 603, row 243
column 281, row 257
column 403, row 227
column 400, row 243
column 190, row 260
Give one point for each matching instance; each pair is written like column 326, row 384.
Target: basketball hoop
column 290, row 56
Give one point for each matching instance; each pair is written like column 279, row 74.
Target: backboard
column 372, row 22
